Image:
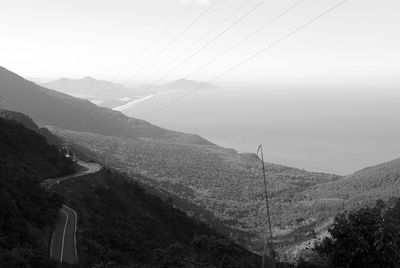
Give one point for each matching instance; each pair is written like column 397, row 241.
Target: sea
column 326, row 129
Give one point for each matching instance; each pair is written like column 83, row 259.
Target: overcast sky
column 359, row 41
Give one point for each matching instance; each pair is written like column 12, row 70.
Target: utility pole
column 268, row 214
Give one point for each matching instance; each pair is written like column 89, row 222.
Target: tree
column 173, row 256
column 369, row 237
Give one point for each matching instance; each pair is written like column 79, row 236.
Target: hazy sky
column 359, row 41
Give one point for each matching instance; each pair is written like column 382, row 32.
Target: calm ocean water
column 330, row 130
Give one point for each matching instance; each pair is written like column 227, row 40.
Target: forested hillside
column 121, row 224
column 366, row 237
column 27, row 122
column 220, row 181
column 362, row 187
column 27, row 212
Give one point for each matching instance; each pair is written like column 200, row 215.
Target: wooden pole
column 268, row 214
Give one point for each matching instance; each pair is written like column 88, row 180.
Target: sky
column 336, row 80
column 357, row 43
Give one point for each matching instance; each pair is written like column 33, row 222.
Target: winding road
column 63, row 240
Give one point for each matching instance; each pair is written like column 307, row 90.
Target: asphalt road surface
column 89, row 168
column 63, row 240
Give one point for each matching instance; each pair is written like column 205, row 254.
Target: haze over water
column 337, row 130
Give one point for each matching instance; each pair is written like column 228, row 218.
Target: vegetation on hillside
column 228, row 186
column 225, row 184
column 27, row 122
column 121, row 224
column 27, row 212
column 362, row 187
column 367, row 237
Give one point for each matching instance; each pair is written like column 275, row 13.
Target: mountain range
column 118, row 96
column 103, row 93
column 49, row 107
column 220, row 181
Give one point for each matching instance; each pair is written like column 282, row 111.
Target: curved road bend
column 89, row 169
column 63, row 240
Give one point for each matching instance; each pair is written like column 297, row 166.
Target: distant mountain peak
column 183, row 80
column 89, row 78
column 54, row 108
column 66, row 79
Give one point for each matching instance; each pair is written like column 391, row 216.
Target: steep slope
column 27, row 212
column 31, row 151
column 121, row 224
column 363, row 187
column 221, row 183
column 57, row 109
column 27, row 122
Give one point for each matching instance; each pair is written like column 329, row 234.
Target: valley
column 219, row 186
column 199, row 134
column 221, row 181
column 228, row 185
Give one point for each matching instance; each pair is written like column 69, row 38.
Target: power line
column 251, row 57
column 224, row 31
column 199, row 40
column 166, row 29
column 168, row 45
column 248, row 59
column 175, row 20
column 173, row 40
column 211, row 41
column 146, row 88
column 263, row 26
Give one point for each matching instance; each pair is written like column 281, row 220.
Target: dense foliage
column 26, row 210
column 363, row 187
column 225, row 184
column 27, row 122
column 228, row 185
column 26, row 151
column 121, row 224
column 368, row 237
